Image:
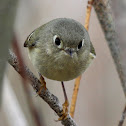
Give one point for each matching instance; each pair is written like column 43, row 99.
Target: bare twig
column 74, row 96
column 77, row 81
column 49, row 98
column 103, row 11
column 32, row 108
column 123, row 117
column 104, row 14
column 88, row 14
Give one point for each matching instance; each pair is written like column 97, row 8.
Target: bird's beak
column 69, row 51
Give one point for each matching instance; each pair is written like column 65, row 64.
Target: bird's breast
column 61, row 69
column 58, row 67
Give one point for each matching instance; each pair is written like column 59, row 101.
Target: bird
column 60, row 50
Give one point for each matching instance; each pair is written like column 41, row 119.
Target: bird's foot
column 43, row 85
column 65, row 111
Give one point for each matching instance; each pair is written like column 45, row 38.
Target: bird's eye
column 57, row 41
column 80, row 44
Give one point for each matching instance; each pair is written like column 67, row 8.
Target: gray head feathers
column 60, row 49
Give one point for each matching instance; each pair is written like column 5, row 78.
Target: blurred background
column 100, row 100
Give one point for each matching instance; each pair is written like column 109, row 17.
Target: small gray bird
column 60, row 49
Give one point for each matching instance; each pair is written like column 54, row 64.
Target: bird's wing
column 29, row 41
column 92, row 51
column 32, row 38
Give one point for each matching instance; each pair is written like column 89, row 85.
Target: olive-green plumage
column 60, row 49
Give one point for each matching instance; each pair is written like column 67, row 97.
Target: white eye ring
column 80, row 44
column 57, row 41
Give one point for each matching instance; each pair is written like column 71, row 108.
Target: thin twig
column 88, row 14
column 32, row 108
column 105, row 17
column 77, row 81
column 123, row 117
column 74, row 96
column 104, row 14
column 49, row 98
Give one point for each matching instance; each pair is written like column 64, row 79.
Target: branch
column 122, row 117
column 105, row 17
column 34, row 112
column 49, row 98
column 77, row 81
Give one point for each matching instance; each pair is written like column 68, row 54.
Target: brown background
column 100, row 99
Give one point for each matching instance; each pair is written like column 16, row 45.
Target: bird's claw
column 43, row 84
column 65, row 111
